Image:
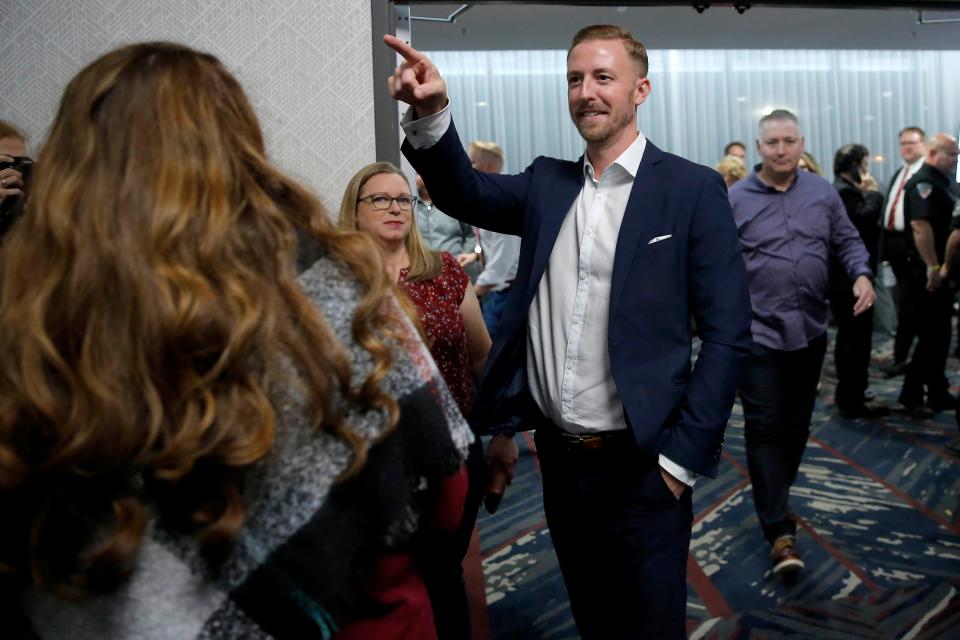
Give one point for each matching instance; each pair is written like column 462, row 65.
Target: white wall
column 306, row 65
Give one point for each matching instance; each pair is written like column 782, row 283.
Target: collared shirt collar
column 754, row 179
column 629, row 160
column 914, row 166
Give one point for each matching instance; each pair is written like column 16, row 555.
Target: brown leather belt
column 599, row 440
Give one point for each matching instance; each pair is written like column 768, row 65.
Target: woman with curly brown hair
column 195, row 441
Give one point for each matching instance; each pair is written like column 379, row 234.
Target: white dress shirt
column 501, row 254
column 568, row 362
column 897, row 185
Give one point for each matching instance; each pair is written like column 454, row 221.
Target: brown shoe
column 784, row 556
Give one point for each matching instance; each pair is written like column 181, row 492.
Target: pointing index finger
column 409, row 53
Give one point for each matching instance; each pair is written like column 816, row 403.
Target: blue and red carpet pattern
column 877, row 504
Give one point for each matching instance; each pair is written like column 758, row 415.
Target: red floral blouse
column 438, row 305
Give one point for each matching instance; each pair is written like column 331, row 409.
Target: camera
column 11, row 208
column 22, row 164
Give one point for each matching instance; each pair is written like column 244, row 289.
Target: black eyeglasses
column 382, row 202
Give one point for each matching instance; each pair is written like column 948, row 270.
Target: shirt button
column 583, row 275
column 569, row 365
column 588, row 232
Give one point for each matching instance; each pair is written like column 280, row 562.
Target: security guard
column 928, row 206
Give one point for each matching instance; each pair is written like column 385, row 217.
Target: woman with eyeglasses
column 378, row 201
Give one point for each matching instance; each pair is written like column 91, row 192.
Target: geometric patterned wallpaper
column 305, row 64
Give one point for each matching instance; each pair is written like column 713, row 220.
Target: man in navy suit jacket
column 619, row 251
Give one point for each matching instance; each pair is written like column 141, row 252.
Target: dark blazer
column 672, row 408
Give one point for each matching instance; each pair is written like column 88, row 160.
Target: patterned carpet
column 877, row 503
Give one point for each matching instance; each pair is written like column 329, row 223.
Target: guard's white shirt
column 898, row 181
column 568, row 362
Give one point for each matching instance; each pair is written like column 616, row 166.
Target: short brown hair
column 731, row 145
column 917, row 130
column 8, row 130
column 635, row 48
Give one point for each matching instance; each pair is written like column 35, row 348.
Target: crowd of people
column 224, row 413
column 905, row 228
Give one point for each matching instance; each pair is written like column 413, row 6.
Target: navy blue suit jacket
column 672, row 408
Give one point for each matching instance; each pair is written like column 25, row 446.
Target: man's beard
column 612, row 124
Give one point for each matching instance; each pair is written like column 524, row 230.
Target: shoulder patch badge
column 924, row 189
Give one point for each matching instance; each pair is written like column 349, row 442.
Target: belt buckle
column 585, row 441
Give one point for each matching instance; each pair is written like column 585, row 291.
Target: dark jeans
column 440, row 557
column 621, row 538
column 852, row 346
column 492, row 308
column 933, row 312
column 778, row 392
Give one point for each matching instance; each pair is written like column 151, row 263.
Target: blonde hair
column 635, row 48
column 147, row 297
column 424, row 263
column 812, row 165
column 732, row 166
column 492, row 150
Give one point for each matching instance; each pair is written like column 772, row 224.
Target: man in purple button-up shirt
column 789, row 222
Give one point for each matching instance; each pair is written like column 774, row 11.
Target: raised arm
column 416, row 81
column 433, row 147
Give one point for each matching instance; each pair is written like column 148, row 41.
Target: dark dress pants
column 621, row 538
column 852, row 346
column 933, row 314
column 439, row 555
column 898, row 251
column 778, row 392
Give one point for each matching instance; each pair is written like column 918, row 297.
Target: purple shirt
column 786, row 237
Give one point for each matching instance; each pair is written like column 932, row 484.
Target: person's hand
column 944, row 271
column 416, row 81
column 933, row 278
column 466, row 258
column 502, row 455
column 483, row 289
column 676, row 487
column 868, row 182
column 864, row 294
column 10, row 180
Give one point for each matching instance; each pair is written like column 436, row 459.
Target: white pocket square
column 659, row 238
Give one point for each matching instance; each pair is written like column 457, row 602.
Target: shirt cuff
column 423, row 133
column 685, row 476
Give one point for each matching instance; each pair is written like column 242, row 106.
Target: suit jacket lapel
column 563, row 192
column 641, row 219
